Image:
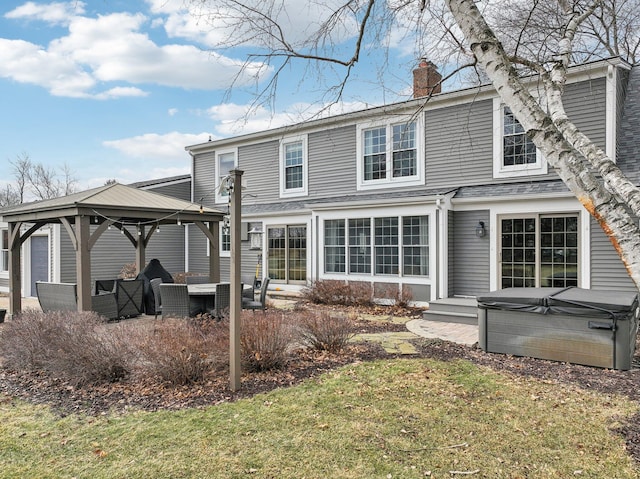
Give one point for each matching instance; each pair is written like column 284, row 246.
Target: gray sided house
column 444, row 198
column 48, row 254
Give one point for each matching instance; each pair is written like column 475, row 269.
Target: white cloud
column 232, row 119
column 113, row 48
column 172, row 111
column 168, row 147
column 221, row 22
column 57, row 13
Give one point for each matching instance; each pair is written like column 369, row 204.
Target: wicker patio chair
column 130, row 296
column 64, row 297
column 222, row 299
column 157, row 295
column 262, row 302
column 176, row 301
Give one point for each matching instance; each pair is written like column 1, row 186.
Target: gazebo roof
column 114, row 202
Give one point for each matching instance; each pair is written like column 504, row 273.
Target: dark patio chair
column 130, row 296
column 222, row 299
column 262, row 302
column 157, row 297
column 176, row 301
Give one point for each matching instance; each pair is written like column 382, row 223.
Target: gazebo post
column 83, row 262
column 140, row 249
column 214, row 253
column 15, row 275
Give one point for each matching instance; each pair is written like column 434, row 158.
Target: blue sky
column 117, row 89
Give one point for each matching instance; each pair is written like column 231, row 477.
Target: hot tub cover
column 570, row 301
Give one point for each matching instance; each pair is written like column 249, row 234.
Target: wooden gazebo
column 88, row 214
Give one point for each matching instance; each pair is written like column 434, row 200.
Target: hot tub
column 581, row 326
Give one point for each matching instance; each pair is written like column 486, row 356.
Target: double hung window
column 390, row 153
column 225, row 162
column 514, row 152
column 293, row 166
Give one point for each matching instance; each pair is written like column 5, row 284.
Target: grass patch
column 400, row 418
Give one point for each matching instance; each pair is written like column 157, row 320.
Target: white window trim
column 415, row 180
column 220, row 198
column 223, row 254
column 5, row 274
column 501, row 171
column 291, row 192
column 400, row 276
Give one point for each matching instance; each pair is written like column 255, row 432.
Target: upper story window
column 513, row 151
column 390, row 153
column 293, row 166
column 226, row 160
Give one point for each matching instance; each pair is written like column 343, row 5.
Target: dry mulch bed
column 117, row 397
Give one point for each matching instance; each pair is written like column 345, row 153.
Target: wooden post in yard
column 236, row 292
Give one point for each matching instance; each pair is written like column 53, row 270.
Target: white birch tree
column 508, row 41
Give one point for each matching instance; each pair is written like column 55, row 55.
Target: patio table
column 205, row 293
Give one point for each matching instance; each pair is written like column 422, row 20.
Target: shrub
column 339, row 292
column 183, row 351
column 128, row 271
column 324, row 332
column 401, row 298
column 265, row 340
column 76, row 346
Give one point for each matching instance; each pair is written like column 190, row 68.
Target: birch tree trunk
column 612, row 201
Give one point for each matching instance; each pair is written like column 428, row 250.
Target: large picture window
column 390, row 245
column 390, row 153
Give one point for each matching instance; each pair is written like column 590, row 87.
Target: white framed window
column 382, row 246
column 225, row 240
column 514, row 154
column 4, row 250
column 226, row 160
column 390, row 153
column 293, row 166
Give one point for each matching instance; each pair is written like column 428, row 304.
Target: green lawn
column 388, row 419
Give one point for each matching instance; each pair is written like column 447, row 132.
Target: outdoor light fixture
column 255, row 238
column 480, row 231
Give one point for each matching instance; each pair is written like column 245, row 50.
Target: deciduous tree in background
column 503, row 41
column 35, row 181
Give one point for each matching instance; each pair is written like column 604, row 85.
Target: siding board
column 469, row 261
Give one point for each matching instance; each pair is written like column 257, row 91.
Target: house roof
column 509, row 190
column 410, row 106
column 114, row 202
column 393, row 198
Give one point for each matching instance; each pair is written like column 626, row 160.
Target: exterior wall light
column 480, row 231
column 255, row 238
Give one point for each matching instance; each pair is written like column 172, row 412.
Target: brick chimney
column 426, row 79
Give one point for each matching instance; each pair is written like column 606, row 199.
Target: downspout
column 440, row 250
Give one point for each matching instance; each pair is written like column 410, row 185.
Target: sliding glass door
column 539, row 250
